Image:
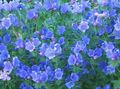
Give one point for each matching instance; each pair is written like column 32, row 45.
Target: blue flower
column 36, row 42
column 3, row 47
column 85, row 40
column 101, row 32
column 16, row 62
column 6, row 23
column 97, row 53
column 4, row 55
column 50, row 53
column 57, row 48
column 61, row 29
column 109, row 69
column 7, row 38
column 31, row 14
column 35, row 76
column 70, row 84
column 22, row 73
column 7, row 66
column 107, row 86
column 19, row 43
column 43, row 76
column 98, row 87
column 75, row 26
column 72, row 60
column 64, row 8
column 29, row 46
column 25, row 86
column 61, row 40
column 49, row 34
column 47, row 4
column 74, row 77
column 14, row 19
column 83, row 26
column 58, row 73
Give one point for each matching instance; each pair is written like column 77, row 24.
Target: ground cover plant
column 60, row 44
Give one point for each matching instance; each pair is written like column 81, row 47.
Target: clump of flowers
column 60, row 44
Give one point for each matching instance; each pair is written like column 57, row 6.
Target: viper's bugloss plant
column 60, row 44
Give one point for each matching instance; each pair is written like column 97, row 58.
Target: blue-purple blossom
column 65, row 8
column 58, row 73
column 29, row 46
column 74, row 77
column 36, row 42
column 16, row 62
column 109, row 69
column 86, row 40
column 61, row 40
column 107, row 86
column 50, row 53
column 25, row 86
column 70, row 84
column 31, row 14
column 61, row 29
column 7, row 38
column 35, row 76
column 6, row 23
column 83, row 26
column 4, row 75
column 19, row 43
column 7, row 66
column 43, row 76
column 72, row 60
column 14, row 19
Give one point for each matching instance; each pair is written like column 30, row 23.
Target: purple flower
column 58, row 73
column 8, row 66
column 61, row 29
column 43, row 76
column 107, row 86
column 72, row 60
column 49, row 34
column 98, row 87
column 19, row 43
column 109, row 69
column 101, row 32
column 64, row 8
column 29, row 46
column 97, row 53
column 7, row 38
column 36, row 42
column 70, row 84
column 57, row 48
column 85, row 40
column 83, row 26
column 35, row 76
column 16, row 62
column 4, row 75
column 4, row 55
column 51, row 4
column 61, row 40
column 3, row 47
column 77, row 7
column 80, row 46
column 22, row 73
column 31, row 14
column 50, row 53
column 6, row 23
column 14, row 19
column 74, row 77
column 25, row 86
column 75, row 26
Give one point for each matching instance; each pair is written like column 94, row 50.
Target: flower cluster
column 60, row 44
